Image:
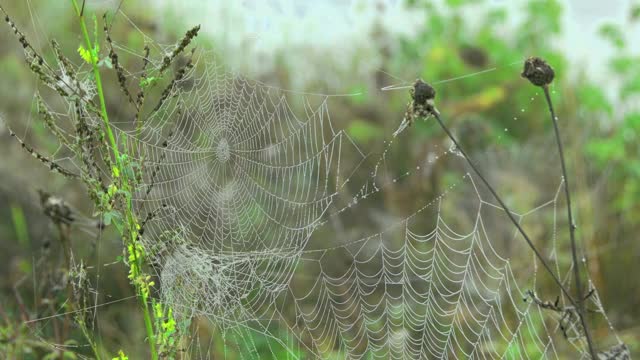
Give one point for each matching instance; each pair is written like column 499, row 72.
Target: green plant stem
column 506, row 209
column 572, row 227
column 130, row 219
column 92, row 343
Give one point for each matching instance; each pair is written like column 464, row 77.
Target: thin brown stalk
column 504, row 206
column 572, row 226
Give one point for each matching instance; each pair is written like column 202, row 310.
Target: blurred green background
column 497, row 114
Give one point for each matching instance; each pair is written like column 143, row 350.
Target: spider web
column 265, row 219
column 249, row 197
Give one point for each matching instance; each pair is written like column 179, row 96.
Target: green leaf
column 632, row 121
column 363, row 131
column 634, row 14
column 121, row 356
column 111, row 217
column 126, row 193
column 545, row 14
column 148, row 81
column 84, row 54
column 613, row 34
column 69, row 355
column 20, row 224
column 624, row 64
column 457, row 3
column 106, row 62
column 630, row 87
column 131, row 169
column 593, row 99
column 606, row 150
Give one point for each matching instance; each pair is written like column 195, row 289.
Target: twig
column 433, row 111
column 506, row 209
column 572, row 227
column 539, row 73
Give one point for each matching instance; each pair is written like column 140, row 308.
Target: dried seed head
column 43, row 159
column 423, row 92
column 55, row 208
column 538, row 71
column 182, row 45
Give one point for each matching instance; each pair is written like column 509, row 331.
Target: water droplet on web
column 505, row 129
column 454, row 150
column 521, row 110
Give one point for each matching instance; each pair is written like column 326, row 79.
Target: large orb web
column 237, row 182
column 254, row 194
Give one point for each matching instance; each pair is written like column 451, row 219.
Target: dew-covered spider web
column 264, row 226
column 272, row 228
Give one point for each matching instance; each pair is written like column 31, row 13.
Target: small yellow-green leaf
column 121, row 356
column 84, row 54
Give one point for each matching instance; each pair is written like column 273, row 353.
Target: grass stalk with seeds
column 106, row 167
column 134, row 249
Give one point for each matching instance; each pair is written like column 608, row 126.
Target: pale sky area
column 334, row 33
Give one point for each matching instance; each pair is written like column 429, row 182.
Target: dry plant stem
column 114, row 147
column 66, row 249
column 572, row 227
column 506, row 209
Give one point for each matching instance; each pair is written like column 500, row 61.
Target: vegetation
column 56, row 274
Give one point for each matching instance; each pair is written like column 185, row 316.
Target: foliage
column 444, row 49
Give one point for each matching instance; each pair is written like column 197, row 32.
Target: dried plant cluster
column 105, row 166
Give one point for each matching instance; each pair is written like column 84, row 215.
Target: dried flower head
column 538, row 71
column 56, row 208
column 422, row 92
column 421, row 104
